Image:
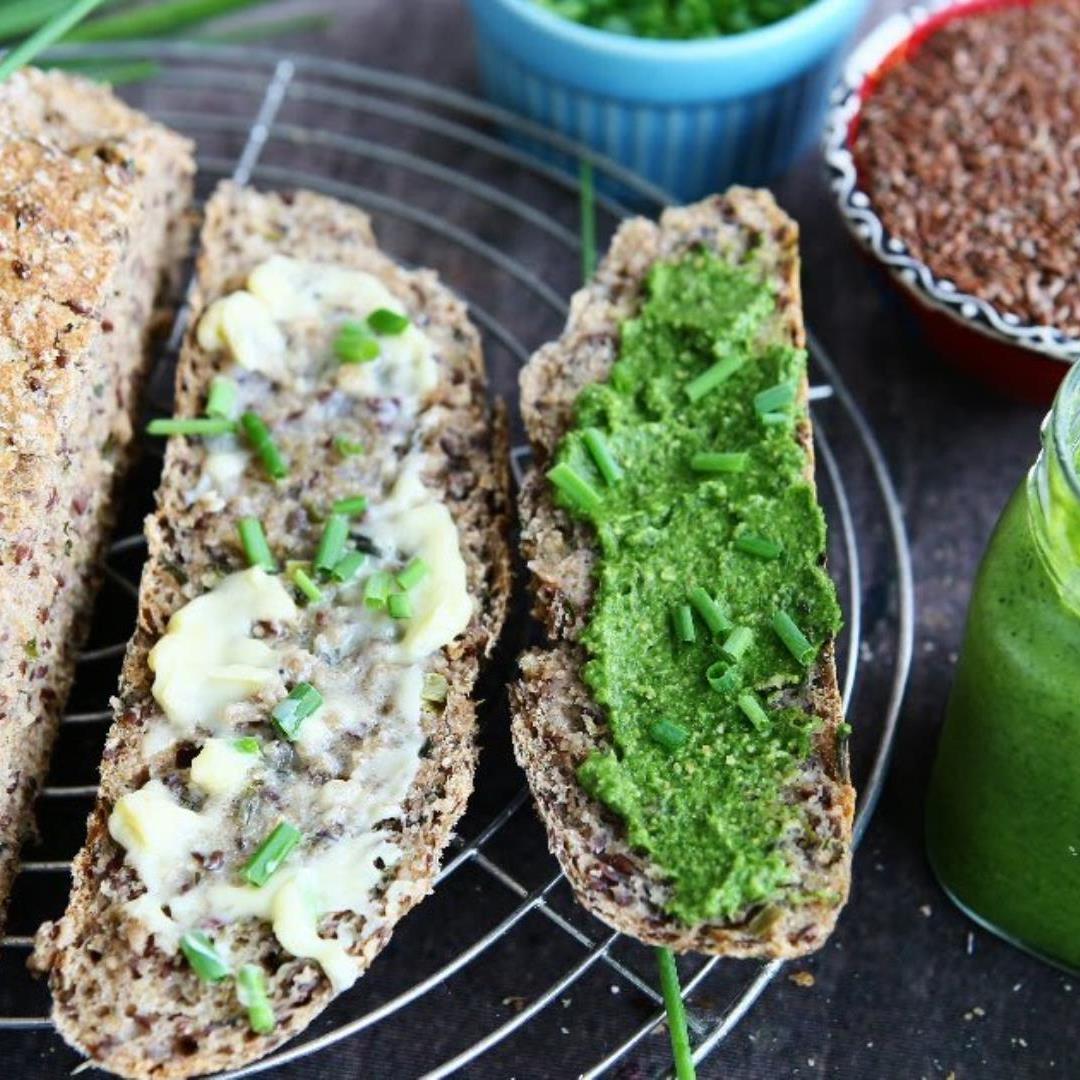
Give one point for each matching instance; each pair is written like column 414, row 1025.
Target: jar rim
column 1065, row 428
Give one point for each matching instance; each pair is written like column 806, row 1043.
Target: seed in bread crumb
column 802, row 978
column 926, row 911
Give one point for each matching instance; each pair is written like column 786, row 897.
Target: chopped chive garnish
column 753, row 711
column 348, row 566
column 354, row 507
column 247, row 744
column 683, row 618
column 195, row 425
column 601, row 454
column 712, row 615
column 271, row 853
column 793, row 638
column 711, row 378
column 722, row 676
column 290, row 712
column 384, row 321
column 256, row 549
column 668, row 734
column 775, row 398
column 251, row 993
column 354, row 344
column 738, row 641
column 377, row 589
column 303, row 581
column 204, row 959
column 435, row 686
column 221, row 401
column 577, row 491
column 776, row 419
column 399, row 605
column 759, row 546
column 414, row 572
column 332, row 543
column 258, row 434
column 709, row 462
column 347, row 447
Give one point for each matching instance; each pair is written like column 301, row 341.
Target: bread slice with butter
column 94, row 202
column 583, row 781
column 291, row 749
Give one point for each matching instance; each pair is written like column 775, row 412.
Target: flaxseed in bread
column 556, row 723
column 93, row 201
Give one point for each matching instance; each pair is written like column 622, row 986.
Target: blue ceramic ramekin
column 690, row 116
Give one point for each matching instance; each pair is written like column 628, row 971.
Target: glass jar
column 1003, row 814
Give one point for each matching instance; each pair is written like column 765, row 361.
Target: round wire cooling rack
column 499, row 967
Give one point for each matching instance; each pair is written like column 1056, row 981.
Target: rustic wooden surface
column 906, row 988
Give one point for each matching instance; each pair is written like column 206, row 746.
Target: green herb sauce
column 675, row 19
column 709, row 811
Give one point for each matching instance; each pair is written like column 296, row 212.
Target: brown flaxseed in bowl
column 968, row 145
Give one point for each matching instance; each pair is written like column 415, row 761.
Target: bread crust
column 93, row 224
column 136, row 1010
column 555, row 722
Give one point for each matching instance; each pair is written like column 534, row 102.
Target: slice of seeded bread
column 93, row 201
column 556, row 724
column 135, row 1009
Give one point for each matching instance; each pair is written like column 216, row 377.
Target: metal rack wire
column 485, row 197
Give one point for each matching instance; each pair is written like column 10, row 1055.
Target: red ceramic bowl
column 999, row 349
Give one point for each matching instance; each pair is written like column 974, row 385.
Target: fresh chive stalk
column 683, row 618
column 377, row 589
column 204, row 959
column 712, row 377
column 575, row 489
column 712, row 615
column 253, row 540
column 753, row 711
column 304, row 582
column 251, row 993
column 722, row 676
column 353, row 506
column 775, row 399
column 759, row 546
column 388, row 323
column 708, row 461
column 191, row 425
column 737, row 642
column 221, row 401
column 332, row 543
column 271, row 853
column 258, row 434
column 60, row 25
column 601, row 454
column 676, row 1013
column 348, row 566
column 290, row 712
column 399, row 606
column 795, row 641
column 414, row 571
column 668, row 734
column 155, row 20
column 354, row 344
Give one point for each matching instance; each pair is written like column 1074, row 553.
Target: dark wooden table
column 906, row 988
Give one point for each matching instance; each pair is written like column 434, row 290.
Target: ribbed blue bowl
column 690, row 116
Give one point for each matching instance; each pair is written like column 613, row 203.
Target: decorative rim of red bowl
column 887, row 44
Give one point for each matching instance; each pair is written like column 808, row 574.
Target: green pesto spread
column 698, row 768
column 675, row 19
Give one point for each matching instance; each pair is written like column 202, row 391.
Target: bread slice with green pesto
column 295, row 732
column 682, row 731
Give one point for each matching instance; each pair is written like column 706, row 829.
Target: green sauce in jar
column 1003, row 817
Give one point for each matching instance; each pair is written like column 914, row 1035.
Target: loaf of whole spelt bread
column 557, row 724
column 378, row 774
column 93, row 198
